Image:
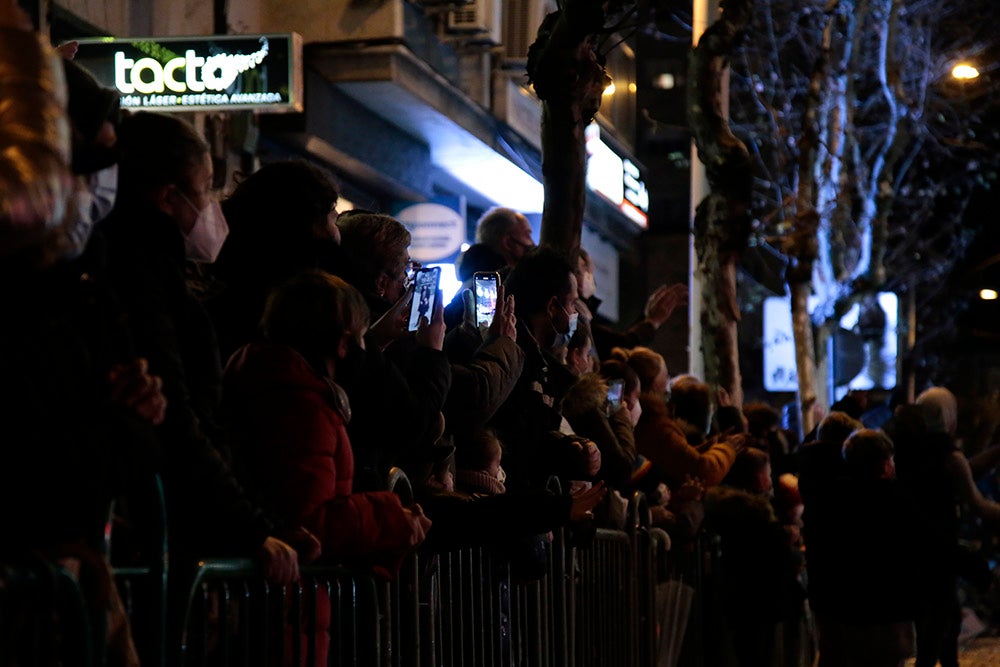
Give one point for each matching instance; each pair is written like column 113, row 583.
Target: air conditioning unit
column 480, row 20
column 520, row 27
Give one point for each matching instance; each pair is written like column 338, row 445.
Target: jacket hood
column 588, row 393
column 479, row 257
column 256, row 366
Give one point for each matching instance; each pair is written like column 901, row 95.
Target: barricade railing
column 403, row 615
column 234, row 617
column 618, row 601
column 644, row 625
column 43, row 617
column 142, row 579
column 605, row 593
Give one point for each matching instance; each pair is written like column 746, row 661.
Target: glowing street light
column 610, row 90
column 964, row 72
column 988, row 294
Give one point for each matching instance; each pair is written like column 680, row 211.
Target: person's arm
column 34, row 133
column 662, row 441
column 985, row 461
column 961, row 477
column 616, row 461
column 480, row 387
column 304, row 457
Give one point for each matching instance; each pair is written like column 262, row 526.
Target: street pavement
column 980, row 652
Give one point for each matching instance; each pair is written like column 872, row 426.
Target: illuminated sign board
column 436, row 230
column 221, row 72
column 615, row 178
column 865, row 345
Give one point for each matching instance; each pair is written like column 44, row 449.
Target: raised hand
column 133, row 387
column 279, row 561
column 431, row 334
column 693, row 488
column 419, row 524
column 504, row 321
column 663, row 301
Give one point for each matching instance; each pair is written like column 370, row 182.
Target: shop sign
column 616, row 178
column 222, row 72
column 437, row 230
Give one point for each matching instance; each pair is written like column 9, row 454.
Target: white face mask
column 562, row 339
column 93, row 204
column 635, row 412
column 204, row 241
column 573, row 319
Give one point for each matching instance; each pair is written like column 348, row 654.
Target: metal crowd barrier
column 142, row 579
column 43, row 617
column 621, row 600
column 234, row 617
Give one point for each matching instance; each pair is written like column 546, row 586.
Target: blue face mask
column 573, row 319
column 562, row 338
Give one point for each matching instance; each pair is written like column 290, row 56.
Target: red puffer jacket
column 291, row 448
column 290, row 444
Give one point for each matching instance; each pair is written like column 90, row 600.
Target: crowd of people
column 253, row 351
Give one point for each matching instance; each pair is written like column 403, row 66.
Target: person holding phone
column 426, row 283
column 288, row 417
column 593, row 407
column 400, row 371
column 529, row 421
column 485, row 363
column 289, row 414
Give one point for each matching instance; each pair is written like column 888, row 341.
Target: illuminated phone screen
column 486, row 299
column 424, row 293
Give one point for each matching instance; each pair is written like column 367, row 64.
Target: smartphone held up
column 425, row 287
column 615, row 395
column 486, row 284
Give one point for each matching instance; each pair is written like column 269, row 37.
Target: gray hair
column 495, row 224
column 942, row 409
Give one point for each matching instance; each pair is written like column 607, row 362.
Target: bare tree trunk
column 722, row 220
column 568, row 78
column 805, row 365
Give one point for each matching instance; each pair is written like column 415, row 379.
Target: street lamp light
column 964, row 72
column 988, row 294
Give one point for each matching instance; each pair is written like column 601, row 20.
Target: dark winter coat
column 209, row 512
column 528, row 424
column 868, row 544
column 585, row 408
column 481, row 383
column 66, row 447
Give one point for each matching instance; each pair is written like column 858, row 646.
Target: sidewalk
column 981, row 652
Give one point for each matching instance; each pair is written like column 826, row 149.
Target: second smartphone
column 425, row 286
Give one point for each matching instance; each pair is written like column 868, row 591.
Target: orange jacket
column 660, row 439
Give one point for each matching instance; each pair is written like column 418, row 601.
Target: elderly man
column 506, row 232
column 502, row 237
